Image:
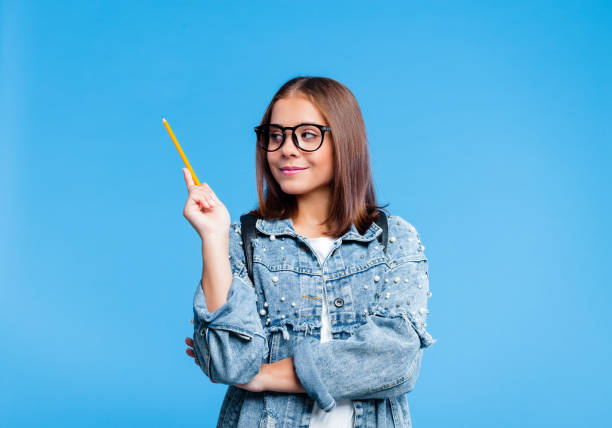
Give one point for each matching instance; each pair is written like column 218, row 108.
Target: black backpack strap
column 248, row 232
column 381, row 220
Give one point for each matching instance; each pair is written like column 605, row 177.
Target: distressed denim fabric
column 377, row 305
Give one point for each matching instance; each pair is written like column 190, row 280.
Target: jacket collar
column 284, row 226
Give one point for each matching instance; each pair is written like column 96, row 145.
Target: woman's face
column 318, row 165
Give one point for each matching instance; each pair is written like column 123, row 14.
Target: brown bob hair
column 354, row 198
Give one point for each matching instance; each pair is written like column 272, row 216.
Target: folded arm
column 382, row 358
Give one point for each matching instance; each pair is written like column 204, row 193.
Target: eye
column 309, row 133
column 277, row 136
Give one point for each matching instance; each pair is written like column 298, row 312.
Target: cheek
column 324, row 166
column 327, row 160
column 272, row 161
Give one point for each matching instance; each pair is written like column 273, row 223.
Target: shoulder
column 401, row 227
column 404, row 239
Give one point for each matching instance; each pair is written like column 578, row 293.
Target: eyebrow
column 303, row 123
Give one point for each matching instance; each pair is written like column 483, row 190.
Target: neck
column 313, row 209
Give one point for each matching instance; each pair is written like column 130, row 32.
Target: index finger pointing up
column 188, row 178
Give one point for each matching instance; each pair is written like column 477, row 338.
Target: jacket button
column 339, row 302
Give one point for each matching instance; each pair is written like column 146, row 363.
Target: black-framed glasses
column 306, row 136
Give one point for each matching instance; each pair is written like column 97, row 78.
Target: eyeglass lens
column 309, row 137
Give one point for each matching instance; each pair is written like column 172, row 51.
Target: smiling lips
column 291, row 170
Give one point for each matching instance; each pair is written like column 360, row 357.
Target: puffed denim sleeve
column 382, row 358
column 230, row 342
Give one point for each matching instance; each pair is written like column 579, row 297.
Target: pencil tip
column 163, row 119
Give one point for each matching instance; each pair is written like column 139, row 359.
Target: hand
column 204, row 210
column 189, row 351
column 256, row 384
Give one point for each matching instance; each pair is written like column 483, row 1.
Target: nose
column 288, row 146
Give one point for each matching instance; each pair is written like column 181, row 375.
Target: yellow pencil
column 178, row 147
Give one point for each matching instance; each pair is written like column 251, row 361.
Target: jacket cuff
column 238, row 313
column 309, row 375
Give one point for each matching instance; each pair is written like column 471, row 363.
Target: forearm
column 216, row 270
column 281, row 377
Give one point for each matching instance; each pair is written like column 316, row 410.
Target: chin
column 293, row 188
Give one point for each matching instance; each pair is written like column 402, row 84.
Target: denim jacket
column 377, row 305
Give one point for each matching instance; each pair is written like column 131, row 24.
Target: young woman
column 331, row 331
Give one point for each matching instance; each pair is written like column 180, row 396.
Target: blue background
column 494, row 119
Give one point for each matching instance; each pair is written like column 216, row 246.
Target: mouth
column 292, row 170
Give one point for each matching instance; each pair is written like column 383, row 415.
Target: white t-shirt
column 340, row 416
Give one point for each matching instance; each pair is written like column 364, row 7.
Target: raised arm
column 229, row 341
